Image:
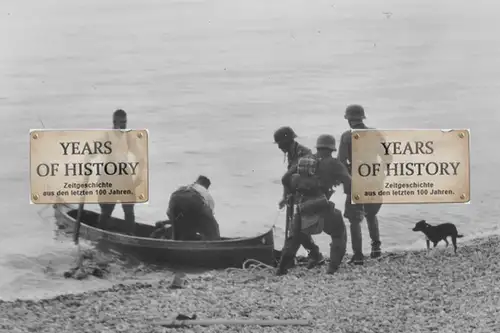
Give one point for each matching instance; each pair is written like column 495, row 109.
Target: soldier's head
column 355, row 114
column 284, row 137
column 119, row 119
column 325, row 145
column 203, row 181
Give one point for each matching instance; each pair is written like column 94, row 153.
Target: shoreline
column 404, row 290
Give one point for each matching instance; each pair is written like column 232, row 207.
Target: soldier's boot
column 314, row 257
column 373, row 229
column 357, row 244
column 376, row 250
column 337, row 252
column 291, row 263
column 292, row 244
column 284, row 263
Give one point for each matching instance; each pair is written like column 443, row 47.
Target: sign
column 410, row 166
column 89, row 166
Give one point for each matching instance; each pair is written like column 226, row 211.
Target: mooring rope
column 252, row 270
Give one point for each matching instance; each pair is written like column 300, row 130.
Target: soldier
column 355, row 115
column 123, row 145
column 191, row 208
column 284, row 137
column 312, row 180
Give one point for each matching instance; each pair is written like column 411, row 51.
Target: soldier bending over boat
column 311, row 180
column 191, row 212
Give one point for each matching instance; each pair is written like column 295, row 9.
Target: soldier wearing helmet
column 355, row 115
column 285, row 137
column 312, row 180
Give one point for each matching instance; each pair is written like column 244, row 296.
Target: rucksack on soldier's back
column 306, row 182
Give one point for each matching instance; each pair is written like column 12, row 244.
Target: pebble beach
column 408, row 291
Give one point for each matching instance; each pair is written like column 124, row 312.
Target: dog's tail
column 460, row 236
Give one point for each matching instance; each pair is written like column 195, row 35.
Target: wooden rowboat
column 228, row 252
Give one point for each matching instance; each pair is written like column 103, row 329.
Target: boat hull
column 228, row 252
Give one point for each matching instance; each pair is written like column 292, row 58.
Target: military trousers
column 369, row 212
column 107, row 211
column 336, row 228
column 333, row 225
column 293, row 243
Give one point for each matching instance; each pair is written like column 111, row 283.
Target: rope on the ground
column 252, row 270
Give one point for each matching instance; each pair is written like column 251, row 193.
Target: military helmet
column 284, row 133
column 326, row 141
column 354, row 111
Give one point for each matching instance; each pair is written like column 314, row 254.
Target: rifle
column 76, row 235
column 289, row 214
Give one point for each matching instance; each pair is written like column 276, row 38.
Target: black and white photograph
column 204, row 166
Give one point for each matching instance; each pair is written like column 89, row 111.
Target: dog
column 435, row 234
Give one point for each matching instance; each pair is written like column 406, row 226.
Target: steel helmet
column 326, row 141
column 284, row 133
column 354, row 111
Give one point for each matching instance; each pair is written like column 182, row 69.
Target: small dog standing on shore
column 435, row 234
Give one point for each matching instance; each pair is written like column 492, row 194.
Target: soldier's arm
column 286, row 180
column 90, row 157
column 304, row 152
column 343, row 153
column 355, row 211
column 341, row 173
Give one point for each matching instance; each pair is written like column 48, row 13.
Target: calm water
column 212, row 80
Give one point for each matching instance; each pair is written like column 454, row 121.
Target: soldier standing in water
column 124, row 146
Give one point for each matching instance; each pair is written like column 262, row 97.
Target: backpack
column 313, row 203
column 305, row 180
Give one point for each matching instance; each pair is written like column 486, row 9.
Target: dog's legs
column 435, row 244
column 446, row 241
column 454, row 241
column 428, row 244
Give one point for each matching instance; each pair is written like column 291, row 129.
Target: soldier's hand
column 160, row 224
column 282, row 203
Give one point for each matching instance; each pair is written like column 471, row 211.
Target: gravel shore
column 411, row 291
